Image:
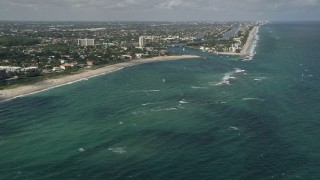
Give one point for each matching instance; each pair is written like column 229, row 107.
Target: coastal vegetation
column 10, row 41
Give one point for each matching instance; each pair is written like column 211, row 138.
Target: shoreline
column 247, row 47
column 9, row 94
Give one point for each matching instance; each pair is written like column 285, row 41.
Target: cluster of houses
column 65, row 66
column 13, row 72
column 67, row 46
column 236, row 46
column 18, row 70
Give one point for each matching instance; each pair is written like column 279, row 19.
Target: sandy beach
column 8, row 94
column 246, row 48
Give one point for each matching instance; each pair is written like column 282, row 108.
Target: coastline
column 246, row 50
column 9, row 94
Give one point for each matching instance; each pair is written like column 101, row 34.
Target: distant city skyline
column 156, row 10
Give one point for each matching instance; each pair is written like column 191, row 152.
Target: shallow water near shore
column 211, row 118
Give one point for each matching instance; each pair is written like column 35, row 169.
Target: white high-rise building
column 86, row 42
column 142, row 41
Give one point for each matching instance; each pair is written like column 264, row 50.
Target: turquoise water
column 178, row 119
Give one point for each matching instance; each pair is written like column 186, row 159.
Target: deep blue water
column 212, row 118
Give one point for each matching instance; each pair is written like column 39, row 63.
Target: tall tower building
column 86, row 42
column 142, row 41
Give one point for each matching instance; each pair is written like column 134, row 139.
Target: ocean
column 215, row 117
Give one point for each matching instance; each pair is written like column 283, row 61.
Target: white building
column 30, row 69
column 12, row 69
column 86, row 42
column 234, row 47
column 139, row 55
column 142, row 41
column 56, row 69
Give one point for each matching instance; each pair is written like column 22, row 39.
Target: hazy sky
column 159, row 10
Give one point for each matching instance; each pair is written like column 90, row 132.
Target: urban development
column 34, row 51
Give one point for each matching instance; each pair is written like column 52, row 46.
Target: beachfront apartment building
column 11, row 69
column 86, row 42
column 142, row 41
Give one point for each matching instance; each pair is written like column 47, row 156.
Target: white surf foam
column 259, row 78
column 152, row 90
column 253, row 99
column 238, row 70
column 234, row 128
column 225, row 79
column 183, row 102
column 254, row 44
column 221, row 102
column 118, row 150
column 147, row 104
column 145, row 91
column 138, row 112
column 198, row 87
column 230, row 76
column 165, row 109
